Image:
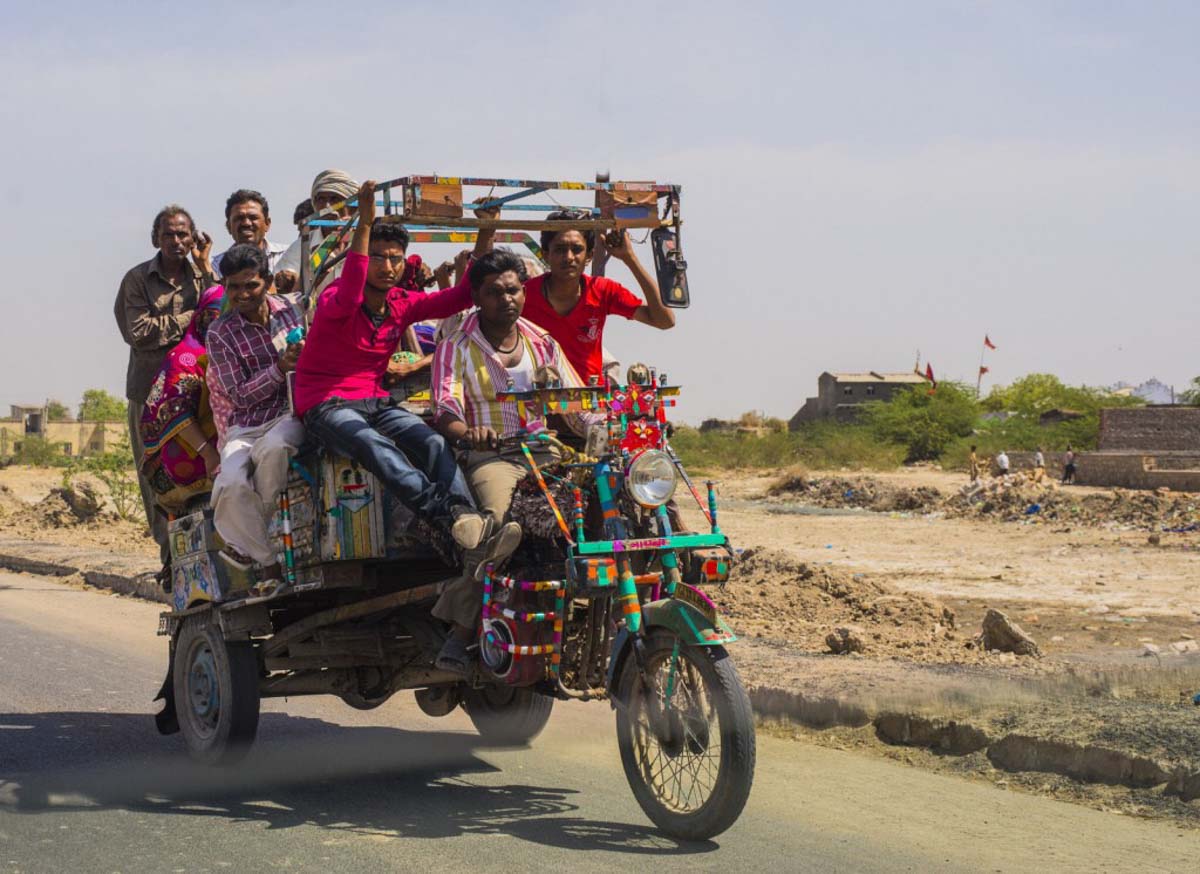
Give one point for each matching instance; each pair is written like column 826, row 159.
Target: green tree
column 1191, row 394
column 921, row 421
column 99, row 406
column 57, row 411
column 39, row 452
column 1036, row 393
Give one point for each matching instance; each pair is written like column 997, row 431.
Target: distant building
column 74, row 438
column 1151, row 391
column 840, row 395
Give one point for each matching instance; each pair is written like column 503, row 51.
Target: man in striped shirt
column 249, row 359
column 494, row 350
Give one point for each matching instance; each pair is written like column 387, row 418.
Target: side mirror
column 670, row 268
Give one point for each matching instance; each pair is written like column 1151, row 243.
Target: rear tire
column 216, row 692
column 507, row 715
column 690, row 764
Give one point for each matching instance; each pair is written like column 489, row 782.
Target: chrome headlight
column 651, row 478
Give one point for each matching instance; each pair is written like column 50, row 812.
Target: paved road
column 86, row 784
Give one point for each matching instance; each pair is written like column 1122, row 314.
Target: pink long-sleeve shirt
column 345, row 355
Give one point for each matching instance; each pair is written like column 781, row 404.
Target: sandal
column 454, row 657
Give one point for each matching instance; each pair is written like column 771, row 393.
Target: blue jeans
column 411, row 459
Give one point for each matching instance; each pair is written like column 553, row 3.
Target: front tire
column 507, row 715
column 216, row 692
column 689, row 760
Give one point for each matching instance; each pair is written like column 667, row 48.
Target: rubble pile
column 822, row 609
column 863, row 493
column 61, row 508
column 1012, row 498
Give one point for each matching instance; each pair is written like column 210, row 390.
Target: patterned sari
column 179, row 397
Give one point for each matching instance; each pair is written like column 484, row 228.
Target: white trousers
column 254, row 470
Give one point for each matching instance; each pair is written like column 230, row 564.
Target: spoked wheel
column 216, row 692
column 507, row 715
column 686, row 737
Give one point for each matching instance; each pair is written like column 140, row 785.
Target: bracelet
column 200, row 448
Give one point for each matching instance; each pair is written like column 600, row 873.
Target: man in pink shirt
column 360, row 319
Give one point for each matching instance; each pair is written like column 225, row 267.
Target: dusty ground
column 30, row 510
column 918, row 582
column 1103, row 592
column 1093, row 590
column 1093, row 579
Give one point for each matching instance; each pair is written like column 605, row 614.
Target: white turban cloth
column 337, row 182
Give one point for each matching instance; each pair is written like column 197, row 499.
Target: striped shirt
column 242, row 358
column 467, row 373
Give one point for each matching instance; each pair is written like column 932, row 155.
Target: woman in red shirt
column 573, row 306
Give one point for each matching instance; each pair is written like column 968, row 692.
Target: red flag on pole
column 929, row 373
column 983, row 370
column 988, row 342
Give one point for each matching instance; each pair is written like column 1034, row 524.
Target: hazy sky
column 860, row 180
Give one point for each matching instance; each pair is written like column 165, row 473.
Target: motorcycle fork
column 615, row 529
column 674, row 666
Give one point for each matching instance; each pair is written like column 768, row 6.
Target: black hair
column 498, row 261
column 245, row 256
column 170, row 211
column 389, row 232
column 246, row 195
column 567, row 215
column 302, row 211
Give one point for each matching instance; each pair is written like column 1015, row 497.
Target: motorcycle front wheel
column 686, row 735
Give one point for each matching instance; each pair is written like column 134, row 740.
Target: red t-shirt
column 581, row 331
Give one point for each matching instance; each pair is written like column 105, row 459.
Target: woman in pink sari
column 177, row 427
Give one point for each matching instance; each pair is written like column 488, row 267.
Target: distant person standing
column 974, row 462
column 1068, row 477
column 1039, row 466
column 248, row 219
column 153, row 309
column 1002, row 463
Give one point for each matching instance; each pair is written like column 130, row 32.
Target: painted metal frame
column 406, row 210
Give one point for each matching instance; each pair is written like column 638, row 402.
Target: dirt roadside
column 1103, row 716
column 911, row 586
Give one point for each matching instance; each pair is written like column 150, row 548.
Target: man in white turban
column 328, row 188
column 332, row 186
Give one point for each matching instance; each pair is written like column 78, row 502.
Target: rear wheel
column 686, row 737
column 507, row 715
column 216, row 692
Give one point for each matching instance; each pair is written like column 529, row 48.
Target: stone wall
column 1179, row 472
column 1150, row 429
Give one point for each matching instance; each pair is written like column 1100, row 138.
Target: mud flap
column 167, row 720
column 691, row 624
